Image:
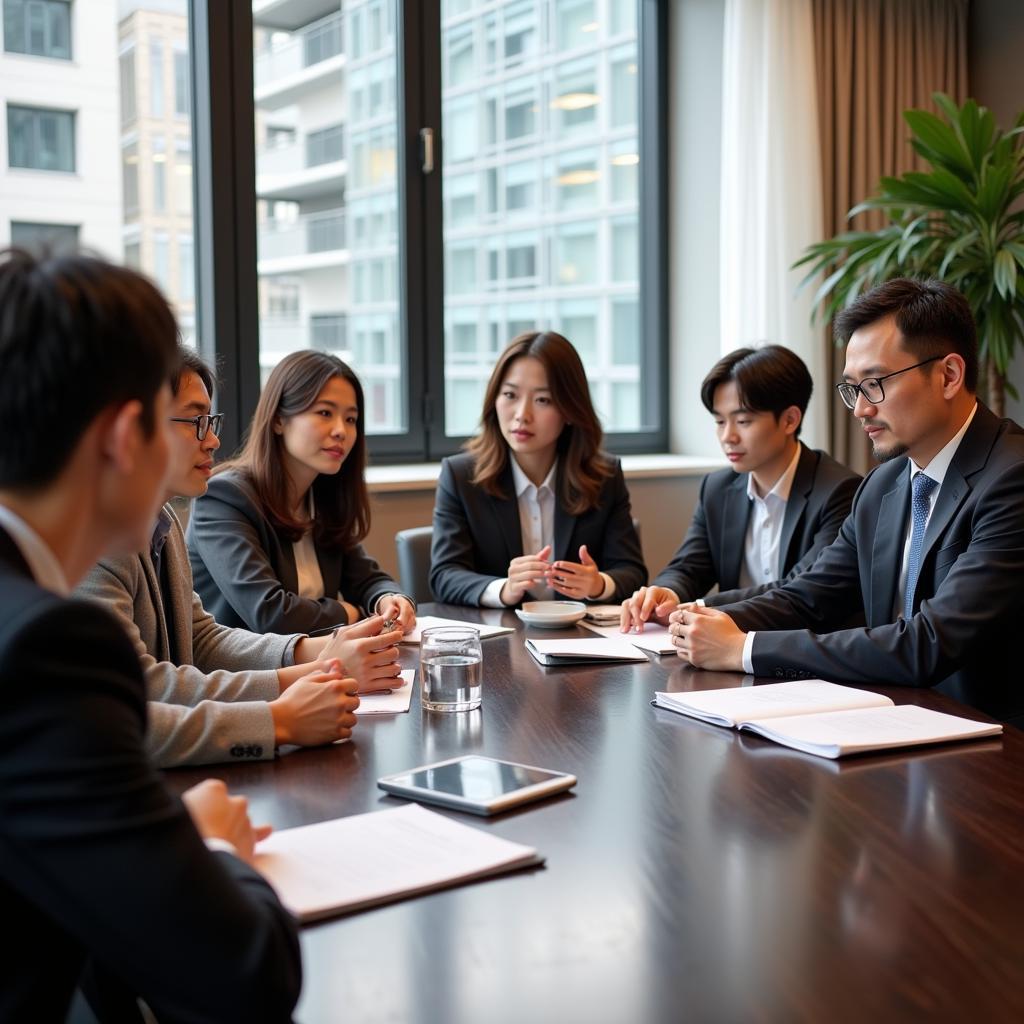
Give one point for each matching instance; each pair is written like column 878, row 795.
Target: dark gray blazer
column 970, row 593
column 476, row 535
column 244, row 569
column 712, row 552
column 97, row 858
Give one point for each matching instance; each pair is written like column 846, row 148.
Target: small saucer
column 551, row 614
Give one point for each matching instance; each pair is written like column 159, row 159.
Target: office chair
column 413, row 547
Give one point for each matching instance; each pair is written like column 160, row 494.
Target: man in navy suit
column 933, row 549
column 101, row 867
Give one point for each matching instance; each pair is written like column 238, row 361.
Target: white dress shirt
column 537, row 529
column 762, row 559
column 936, row 469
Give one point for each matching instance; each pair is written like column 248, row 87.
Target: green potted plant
column 960, row 221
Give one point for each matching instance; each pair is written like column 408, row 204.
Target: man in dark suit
column 101, row 868
column 934, row 547
column 767, row 518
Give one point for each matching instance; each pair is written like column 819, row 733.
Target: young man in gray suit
column 217, row 693
column 934, row 547
column 101, row 867
column 767, row 518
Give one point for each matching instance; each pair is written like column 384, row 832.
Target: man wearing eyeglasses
column 217, row 693
column 934, row 544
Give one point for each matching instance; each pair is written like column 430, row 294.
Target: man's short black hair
column 77, row 335
column 767, row 379
column 934, row 318
column 190, row 361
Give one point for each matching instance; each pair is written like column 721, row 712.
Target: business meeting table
column 693, row 874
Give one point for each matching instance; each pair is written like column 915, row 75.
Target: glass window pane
column 327, row 195
column 156, row 151
column 537, row 123
column 38, row 27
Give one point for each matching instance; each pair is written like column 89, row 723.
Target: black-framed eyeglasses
column 871, row 387
column 209, row 422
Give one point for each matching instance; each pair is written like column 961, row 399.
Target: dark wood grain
column 694, row 874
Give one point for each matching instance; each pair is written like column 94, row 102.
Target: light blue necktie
column 919, row 506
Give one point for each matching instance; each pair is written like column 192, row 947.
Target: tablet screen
column 476, row 778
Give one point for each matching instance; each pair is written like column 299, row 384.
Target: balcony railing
column 313, row 233
column 313, row 150
column 312, row 45
column 280, row 335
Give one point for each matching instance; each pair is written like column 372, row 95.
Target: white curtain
column 771, row 203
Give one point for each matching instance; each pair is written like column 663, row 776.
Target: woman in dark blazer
column 275, row 543
column 534, row 508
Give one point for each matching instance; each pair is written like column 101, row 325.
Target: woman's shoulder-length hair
column 583, row 466
column 340, row 500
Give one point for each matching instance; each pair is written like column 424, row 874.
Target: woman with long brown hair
column 534, row 508
column 276, row 541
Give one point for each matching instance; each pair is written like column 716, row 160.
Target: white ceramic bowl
column 551, row 614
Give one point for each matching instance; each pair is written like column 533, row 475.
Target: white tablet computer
column 481, row 785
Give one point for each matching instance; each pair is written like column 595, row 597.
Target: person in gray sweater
column 217, row 693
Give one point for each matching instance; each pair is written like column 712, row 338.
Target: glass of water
column 450, row 668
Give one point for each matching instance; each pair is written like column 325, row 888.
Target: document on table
column 430, row 621
column 392, row 703
column 655, row 637
column 570, row 652
column 348, row 864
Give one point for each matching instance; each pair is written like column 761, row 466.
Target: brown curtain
column 875, row 59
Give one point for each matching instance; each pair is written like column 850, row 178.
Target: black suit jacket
column 97, row 859
column 712, row 552
column 244, row 569
column 969, row 597
column 476, row 535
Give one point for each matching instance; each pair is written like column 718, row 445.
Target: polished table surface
column 693, row 874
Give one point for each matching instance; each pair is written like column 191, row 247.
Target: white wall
column 88, row 84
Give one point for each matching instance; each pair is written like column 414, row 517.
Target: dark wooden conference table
column 693, row 874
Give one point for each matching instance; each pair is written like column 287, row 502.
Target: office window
column 127, row 73
column 332, row 233
column 130, row 178
column 159, row 174
column 39, row 139
column 156, row 78
column 552, row 159
column 56, row 236
column 161, row 265
column 41, row 28
column 182, row 85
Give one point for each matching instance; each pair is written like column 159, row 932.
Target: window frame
column 224, row 157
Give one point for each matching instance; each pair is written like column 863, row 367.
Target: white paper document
column 429, row 621
column 835, row 733
column 655, row 637
column 568, row 652
column 733, row 705
column 336, row 867
column 392, row 703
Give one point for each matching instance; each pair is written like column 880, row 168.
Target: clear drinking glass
column 451, row 667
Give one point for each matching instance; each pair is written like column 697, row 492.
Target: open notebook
column 823, row 718
column 348, row 864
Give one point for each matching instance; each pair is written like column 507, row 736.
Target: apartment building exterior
column 60, row 168
column 155, row 136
